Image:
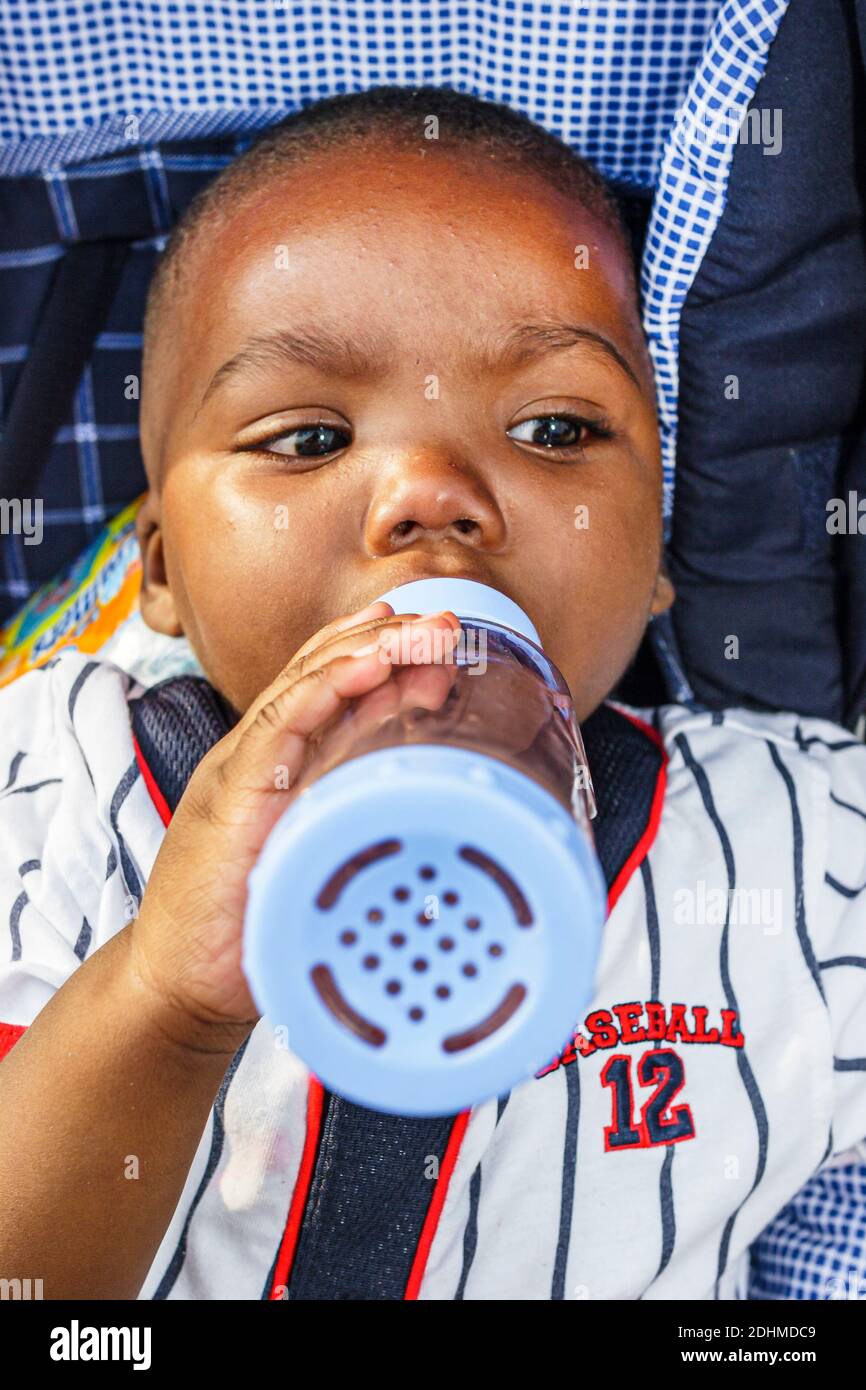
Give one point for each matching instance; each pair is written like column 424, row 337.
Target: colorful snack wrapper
column 84, row 608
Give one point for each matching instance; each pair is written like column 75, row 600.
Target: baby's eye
column 307, row 441
column 555, row 431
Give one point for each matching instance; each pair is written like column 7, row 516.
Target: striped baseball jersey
column 721, row 1061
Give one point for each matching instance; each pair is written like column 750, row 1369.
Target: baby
column 400, row 338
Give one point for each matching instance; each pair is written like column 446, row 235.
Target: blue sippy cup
column 426, row 915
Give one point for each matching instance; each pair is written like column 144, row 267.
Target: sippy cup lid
column 467, row 598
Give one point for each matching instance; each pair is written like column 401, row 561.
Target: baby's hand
column 186, row 942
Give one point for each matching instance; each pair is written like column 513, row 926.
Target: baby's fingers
column 373, row 611
column 277, row 736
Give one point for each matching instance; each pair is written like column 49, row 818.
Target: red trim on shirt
column 150, row 782
column 437, row 1202
column 9, row 1035
column 283, row 1267
column 642, row 848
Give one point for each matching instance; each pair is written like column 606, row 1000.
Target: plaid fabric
column 816, row 1247
column 608, row 78
column 95, row 466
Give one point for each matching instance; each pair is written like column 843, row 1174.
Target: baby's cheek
column 242, row 631
column 603, row 610
column 238, row 574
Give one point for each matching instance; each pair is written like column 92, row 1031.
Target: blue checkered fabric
column 607, row 78
column 816, row 1247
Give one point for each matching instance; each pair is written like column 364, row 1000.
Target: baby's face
column 391, row 365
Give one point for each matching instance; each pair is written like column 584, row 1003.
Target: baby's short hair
column 401, row 116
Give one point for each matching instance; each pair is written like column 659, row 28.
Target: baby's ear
column 664, row 594
column 156, row 601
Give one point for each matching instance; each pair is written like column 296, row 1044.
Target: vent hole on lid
column 495, row 949
column 393, row 987
column 446, row 943
column 375, row 914
column 473, row 923
column 348, row 937
column 485, row 1027
column 420, row 964
column 442, row 992
column 397, row 938
column 503, row 880
column 450, row 897
column 469, row 970
column 401, row 894
column 416, row 1013
column 426, row 871
column 423, row 920
column 370, row 962
column 330, row 891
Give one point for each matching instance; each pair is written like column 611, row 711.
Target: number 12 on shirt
column 659, row 1122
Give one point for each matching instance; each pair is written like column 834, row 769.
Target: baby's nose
column 432, row 499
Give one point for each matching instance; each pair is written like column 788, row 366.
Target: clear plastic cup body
column 495, row 693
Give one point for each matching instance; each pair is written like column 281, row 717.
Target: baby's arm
column 105, row 1072
column 126, row 1057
